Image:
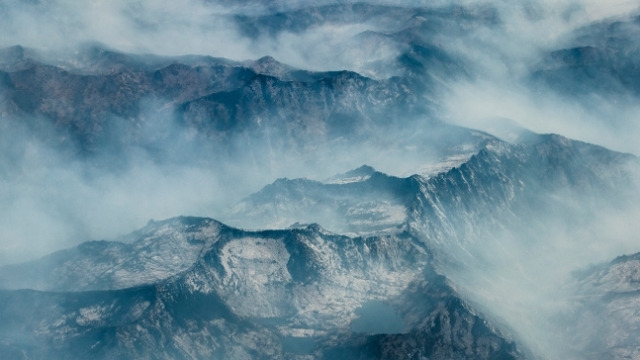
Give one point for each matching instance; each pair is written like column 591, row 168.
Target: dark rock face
column 220, row 99
column 442, row 326
column 150, row 322
column 99, row 97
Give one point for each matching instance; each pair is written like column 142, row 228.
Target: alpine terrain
column 212, row 179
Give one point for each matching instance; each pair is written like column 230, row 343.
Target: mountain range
column 405, row 232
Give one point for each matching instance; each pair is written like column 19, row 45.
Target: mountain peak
column 268, row 65
column 14, row 57
column 15, row 52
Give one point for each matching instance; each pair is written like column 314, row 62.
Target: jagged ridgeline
column 480, row 242
column 122, row 100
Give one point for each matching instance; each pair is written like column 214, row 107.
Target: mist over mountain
column 389, row 180
column 247, row 295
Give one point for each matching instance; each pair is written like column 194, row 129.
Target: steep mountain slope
column 309, row 292
column 545, row 182
column 461, row 245
column 526, row 207
column 272, row 294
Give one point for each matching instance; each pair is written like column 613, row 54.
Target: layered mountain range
column 402, row 235
column 218, row 98
column 195, row 288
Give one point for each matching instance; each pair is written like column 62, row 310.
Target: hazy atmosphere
column 81, row 202
column 114, row 114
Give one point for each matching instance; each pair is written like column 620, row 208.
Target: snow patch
column 92, row 315
column 348, row 180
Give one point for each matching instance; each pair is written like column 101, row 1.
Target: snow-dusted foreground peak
column 301, row 293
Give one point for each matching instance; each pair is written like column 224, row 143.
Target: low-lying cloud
column 597, row 119
column 52, row 198
column 500, row 55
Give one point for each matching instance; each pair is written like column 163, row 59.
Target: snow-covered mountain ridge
column 306, row 285
column 480, row 228
column 278, row 287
